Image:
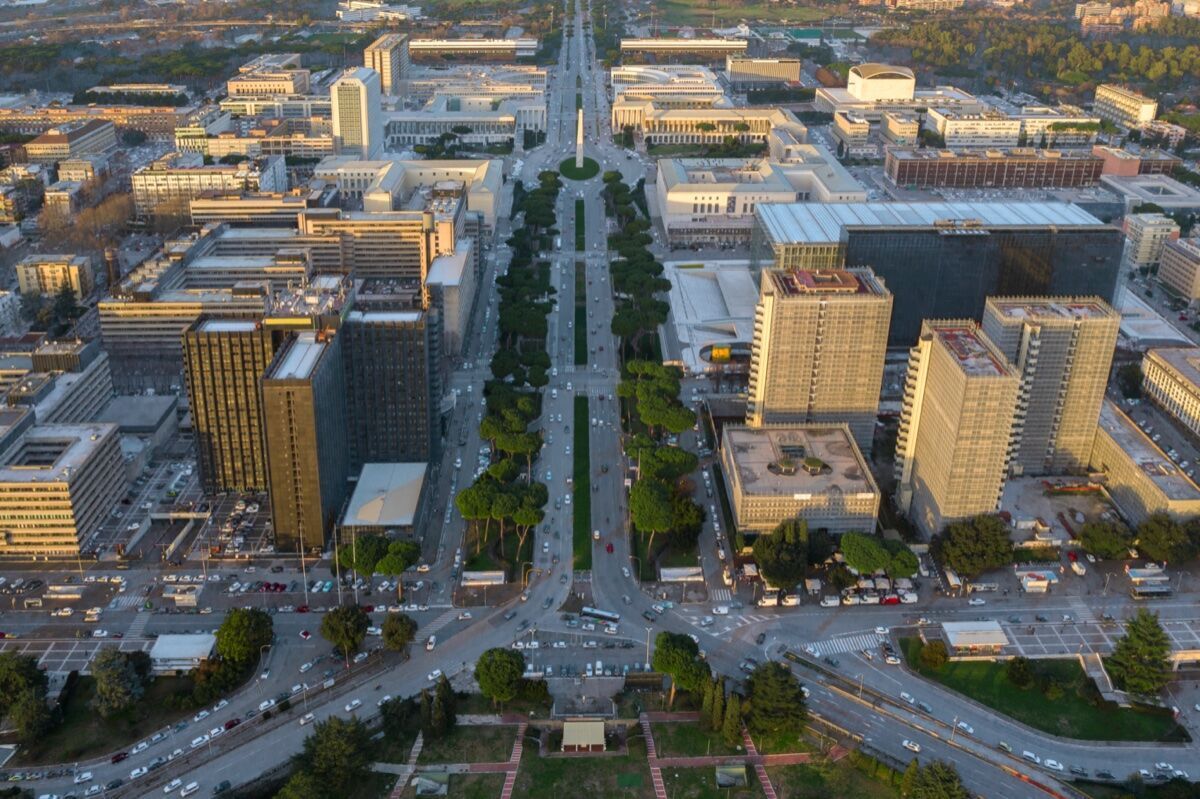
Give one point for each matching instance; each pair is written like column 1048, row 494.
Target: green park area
column 729, row 12
column 855, row 775
column 465, row 744
column 1060, row 699
column 581, row 346
column 582, row 489
column 612, row 776
column 589, row 170
column 580, row 226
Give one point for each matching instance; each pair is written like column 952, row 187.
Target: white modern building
column 356, row 100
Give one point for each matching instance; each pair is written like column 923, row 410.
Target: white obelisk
column 579, row 141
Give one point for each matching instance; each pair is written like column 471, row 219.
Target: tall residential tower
column 960, row 400
column 819, row 344
column 1063, row 347
column 356, row 100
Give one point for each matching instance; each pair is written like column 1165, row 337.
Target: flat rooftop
column 1184, row 361
column 387, row 495
column 228, row 326
column 974, row 355
column 1048, row 308
column 1015, row 153
column 814, row 223
column 798, row 460
column 138, row 413
column 833, row 281
column 300, row 359
column 712, row 305
column 1166, row 476
column 51, row 453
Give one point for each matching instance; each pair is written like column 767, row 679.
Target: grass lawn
column 705, row 151
column 581, row 347
column 694, row 12
column 682, row 739
column 83, row 734
column 1073, row 717
column 828, row 781
column 701, row 783
column 470, row 745
column 580, row 227
column 625, row 777
column 590, row 169
column 478, row 704
column 581, row 516
column 665, row 555
column 780, row 743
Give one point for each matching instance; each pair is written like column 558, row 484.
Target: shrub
column 1019, row 672
column 934, row 655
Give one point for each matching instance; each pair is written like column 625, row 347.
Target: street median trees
column 775, row 701
column 499, row 673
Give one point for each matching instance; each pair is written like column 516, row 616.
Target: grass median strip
column 580, row 226
column 581, row 346
column 581, row 517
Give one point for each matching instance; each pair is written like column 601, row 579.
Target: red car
column 229, row 725
column 609, row 549
column 368, row 608
column 305, row 634
column 302, row 609
column 119, row 756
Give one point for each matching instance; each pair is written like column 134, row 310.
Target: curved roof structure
column 870, row 71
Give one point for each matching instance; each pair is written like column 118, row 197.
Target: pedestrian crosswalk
column 848, row 643
column 437, row 624
column 721, row 595
column 1082, row 610
column 125, row 602
column 139, row 625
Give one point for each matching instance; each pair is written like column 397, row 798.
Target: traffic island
column 588, row 171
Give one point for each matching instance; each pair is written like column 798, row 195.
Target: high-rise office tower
column 960, row 399
column 819, row 345
column 1063, row 347
column 388, row 55
column 304, row 418
column 390, row 385
column 356, row 100
column 942, row 260
column 224, row 360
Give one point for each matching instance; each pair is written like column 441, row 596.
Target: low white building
column 178, row 654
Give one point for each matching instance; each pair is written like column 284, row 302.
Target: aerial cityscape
column 658, row 399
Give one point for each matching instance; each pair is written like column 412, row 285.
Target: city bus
column 1150, row 591
column 603, row 615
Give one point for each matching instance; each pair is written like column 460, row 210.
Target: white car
column 625, row 572
column 353, row 705
column 82, row 777
column 201, row 716
column 976, row 601
column 173, row 785
column 911, row 746
column 967, row 728
column 386, row 698
column 881, row 630
column 434, row 675
column 466, row 614
column 423, row 568
column 1053, row 764
column 140, row 771
column 199, row 741
column 141, row 747
column 99, row 633
column 720, row 610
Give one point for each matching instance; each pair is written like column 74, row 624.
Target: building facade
column 46, row 275
column 973, row 169
column 1146, row 236
column 760, row 73
column 225, row 361
column 389, row 385
column 942, row 260
column 58, row 484
column 1139, row 477
column 304, row 421
column 357, row 103
column 388, row 55
column 170, row 183
column 811, row 472
column 1179, row 268
column 1124, row 107
column 1063, row 348
column 1171, row 379
column 960, row 402
column 819, row 345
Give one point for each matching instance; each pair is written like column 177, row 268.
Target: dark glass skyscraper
column 390, row 386
column 942, row 260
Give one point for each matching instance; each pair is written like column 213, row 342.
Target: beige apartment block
column 1139, row 477
column 1063, row 347
column 1179, row 268
column 960, row 401
column 1145, row 237
column 1124, row 107
column 1171, row 379
column 47, row 274
column 818, row 350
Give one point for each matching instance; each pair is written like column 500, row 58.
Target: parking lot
column 70, row 654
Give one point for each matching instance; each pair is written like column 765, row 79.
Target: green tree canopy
column 1138, row 663
column 363, row 553
column 338, row 755
column 976, row 545
column 679, row 656
column 499, row 673
column 345, row 627
column 937, row 780
column 1159, row 537
column 242, row 635
column 1106, row 540
column 782, row 554
column 19, row 674
column 399, row 630
column 400, row 556
column 118, row 683
column 864, row 553
column 775, row 701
